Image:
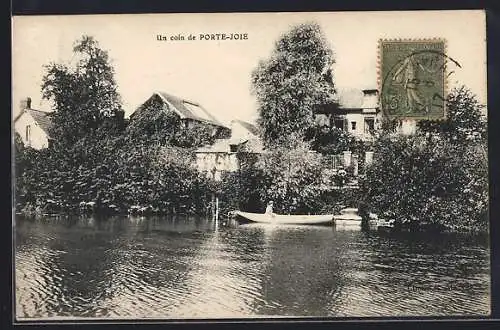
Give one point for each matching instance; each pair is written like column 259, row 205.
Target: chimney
column 26, row 103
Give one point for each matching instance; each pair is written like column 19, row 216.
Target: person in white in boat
column 269, row 209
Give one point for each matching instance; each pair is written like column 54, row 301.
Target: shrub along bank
column 296, row 179
column 109, row 176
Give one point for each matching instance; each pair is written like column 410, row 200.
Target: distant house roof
column 248, row 126
column 350, row 98
column 42, row 118
column 189, row 109
column 353, row 98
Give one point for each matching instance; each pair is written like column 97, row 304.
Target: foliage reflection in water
column 186, row 268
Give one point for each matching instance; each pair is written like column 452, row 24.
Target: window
column 233, row 147
column 339, row 123
column 369, row 125
column 353, row 125
column 28, row 134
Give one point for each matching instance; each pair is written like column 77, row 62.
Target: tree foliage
column 115, row 175
column 332, row 140
column 437, row 176
column 294, row 81
column 464, row 123
column 295, row 178
column 84, row 96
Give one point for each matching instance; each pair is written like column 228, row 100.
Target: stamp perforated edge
column 380, row 78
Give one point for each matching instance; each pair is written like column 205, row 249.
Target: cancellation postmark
column 413, row 78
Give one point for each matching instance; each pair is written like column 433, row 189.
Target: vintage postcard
column 250, row 165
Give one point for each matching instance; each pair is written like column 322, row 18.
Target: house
column 33, row 126
column 357, row 112
column 189, row 113
column 245, row 137
column 222, row 155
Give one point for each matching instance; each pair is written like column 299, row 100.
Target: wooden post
column 213, row 206
column 216, row 208
column 347, row 158
column 356, row 164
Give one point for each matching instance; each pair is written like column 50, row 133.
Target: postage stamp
column 413, row 79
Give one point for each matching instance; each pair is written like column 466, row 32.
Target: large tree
column 294, row 81
column 84, row 96
column 465, row 122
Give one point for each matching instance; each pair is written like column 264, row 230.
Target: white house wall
column 359, row 118
column 38, row 137
column 215, row 163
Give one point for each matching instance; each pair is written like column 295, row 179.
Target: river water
column 188, row 268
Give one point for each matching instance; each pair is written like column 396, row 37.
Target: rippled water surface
column 186, row 268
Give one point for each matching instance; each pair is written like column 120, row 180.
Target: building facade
column 357, row 112
column 222, row 156
column 33, row 126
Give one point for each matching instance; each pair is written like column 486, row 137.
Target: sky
column 217, row 74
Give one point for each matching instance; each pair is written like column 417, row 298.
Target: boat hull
column 344, row 222
column 325, row 219
column 347, row 220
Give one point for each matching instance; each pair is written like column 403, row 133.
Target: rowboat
column 322, row 219
column 348, row 217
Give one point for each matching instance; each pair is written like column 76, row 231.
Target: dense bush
column 439, row 175
column 327, row 140
column 424, row 179
column 294, row 178
column 114, row 175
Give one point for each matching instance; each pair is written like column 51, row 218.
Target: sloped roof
column 353, row 98
column 350, row 98
column 189, row 109
column 42, row 118
column 248, row 126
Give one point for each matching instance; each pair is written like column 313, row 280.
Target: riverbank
column 398, row 227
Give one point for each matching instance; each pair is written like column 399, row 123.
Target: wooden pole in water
column 216, row 208
column 216, row 212
column 212, row 206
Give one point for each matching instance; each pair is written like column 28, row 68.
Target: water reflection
column 182, row 267
column 431, row 275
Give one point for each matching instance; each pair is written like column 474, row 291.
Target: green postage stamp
column 413, row 80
